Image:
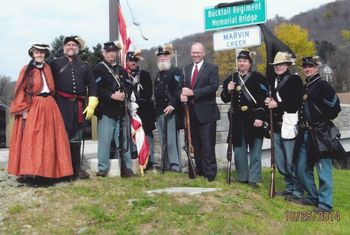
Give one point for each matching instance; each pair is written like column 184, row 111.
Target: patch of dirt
column 146, row 228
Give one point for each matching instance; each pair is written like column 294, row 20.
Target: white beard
column 164, row 66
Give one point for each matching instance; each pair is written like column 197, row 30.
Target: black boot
column 75, row 153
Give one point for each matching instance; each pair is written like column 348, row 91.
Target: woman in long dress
column 39, row 144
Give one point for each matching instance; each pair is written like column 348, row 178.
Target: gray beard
column 164, row 66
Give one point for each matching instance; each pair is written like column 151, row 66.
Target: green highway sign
column 235, row 16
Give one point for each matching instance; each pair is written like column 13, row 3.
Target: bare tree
column 6, row 89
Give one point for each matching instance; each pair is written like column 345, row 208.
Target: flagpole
column 113, row 20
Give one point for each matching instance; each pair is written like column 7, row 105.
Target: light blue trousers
column 173, row 154
column 284, row 152
column 107, row 129
column 251, row 171
column 323, row 197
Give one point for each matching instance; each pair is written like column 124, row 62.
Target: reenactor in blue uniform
column 284, row 101
column 74, row 82
column 320, row 105
column 112, row 92
column 143, row 90
column 167, row 91
column 249, row 92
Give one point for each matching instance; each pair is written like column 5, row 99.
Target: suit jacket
column 204, row 90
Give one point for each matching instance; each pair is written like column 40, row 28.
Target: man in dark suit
column 201, row 83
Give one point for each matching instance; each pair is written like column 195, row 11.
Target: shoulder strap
column 115, row 76
column 245, row 90
column 283, row 81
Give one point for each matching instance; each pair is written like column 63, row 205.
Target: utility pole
column 175, row 58
column 113, row 19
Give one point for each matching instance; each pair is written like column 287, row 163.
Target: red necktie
column 194, row 76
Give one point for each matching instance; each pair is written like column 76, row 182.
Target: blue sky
column 24, row 22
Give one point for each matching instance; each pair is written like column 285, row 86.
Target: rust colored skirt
column 39, row 145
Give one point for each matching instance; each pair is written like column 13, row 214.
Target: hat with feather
column 247, row 54
column 283, row 58
column 113, row 45
column 166, row 49
column 78, row 40
column 311, row 61
column 134, row 55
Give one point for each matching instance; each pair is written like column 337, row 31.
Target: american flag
column 123, row 36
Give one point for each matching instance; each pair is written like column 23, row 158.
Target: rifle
column 165, row 144
column 229, row 146
column 188, row 147
column 123, row 168
column 272, row 192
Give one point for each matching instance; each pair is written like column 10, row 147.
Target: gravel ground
column 11, row 193
column 14, row 193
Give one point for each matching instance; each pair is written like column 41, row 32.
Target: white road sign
column 238, row 38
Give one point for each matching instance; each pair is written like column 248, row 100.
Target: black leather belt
column 44, row 94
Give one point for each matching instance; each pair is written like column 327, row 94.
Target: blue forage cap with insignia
column 133, row 56
column 311, row 61
column 245, row 54
column 78, row 40
column 112, row 46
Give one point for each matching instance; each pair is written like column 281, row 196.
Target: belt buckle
column 73, row 99
column 244, row 108
column 304, row 126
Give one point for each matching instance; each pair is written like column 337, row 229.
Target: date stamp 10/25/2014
column 300, row 216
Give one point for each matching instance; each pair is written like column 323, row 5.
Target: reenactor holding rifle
column 111, row 112
column 249, row 92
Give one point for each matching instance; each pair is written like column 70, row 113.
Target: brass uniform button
column 238, row 88
column 244, row 108
column 305, row 97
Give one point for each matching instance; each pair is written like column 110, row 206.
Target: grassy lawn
column 121, row 206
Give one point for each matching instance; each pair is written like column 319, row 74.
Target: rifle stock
column 188, row 144
column 229, row 162
column 273, row 161
column 164, row 145
column 123, row 168
column 229, row 146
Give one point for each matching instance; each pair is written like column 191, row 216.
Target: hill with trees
column 324, row 31
column 326, row 27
